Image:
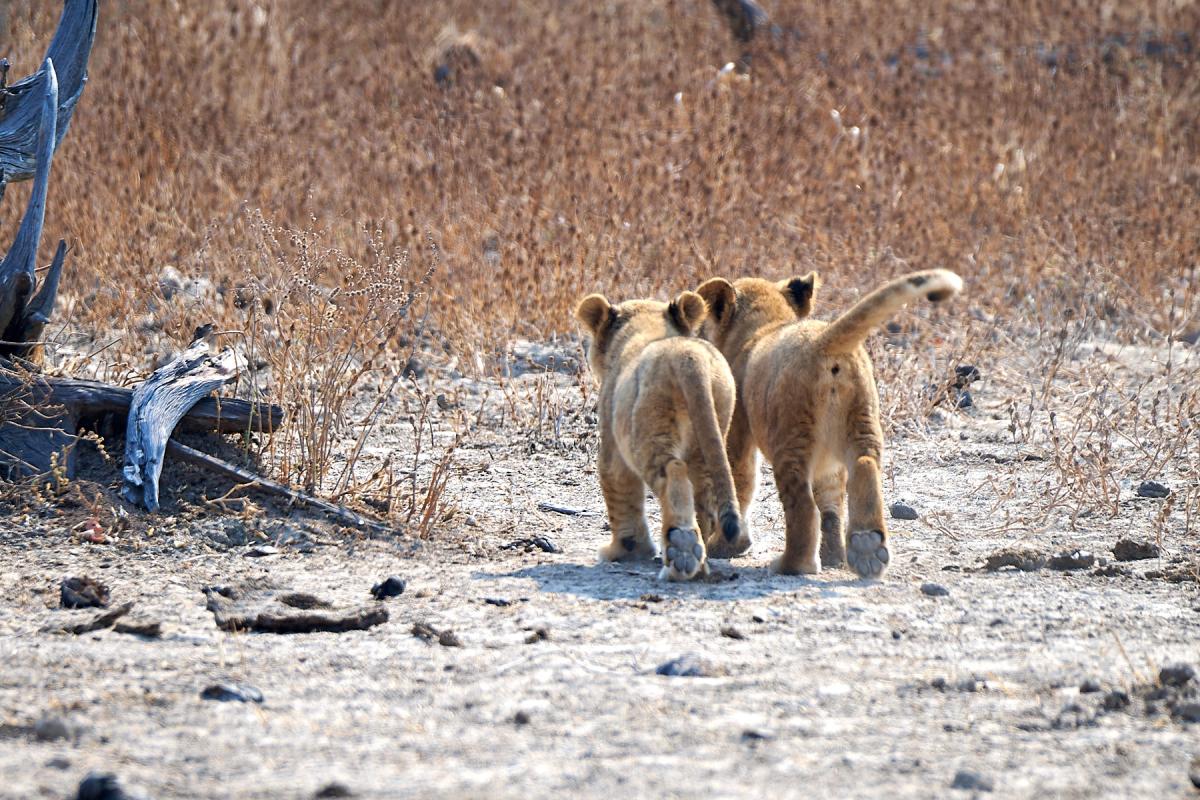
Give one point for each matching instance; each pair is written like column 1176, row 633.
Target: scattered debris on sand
column 264, row 609
column 1129, row 550
column 1026, row 559
column 83, row 593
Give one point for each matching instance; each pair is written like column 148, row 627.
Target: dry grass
column 1048, row 152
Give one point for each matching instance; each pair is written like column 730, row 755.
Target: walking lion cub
column 807, row 399
column 666, row 399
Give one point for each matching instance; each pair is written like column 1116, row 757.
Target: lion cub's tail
column 850, row 329
column 711, row 441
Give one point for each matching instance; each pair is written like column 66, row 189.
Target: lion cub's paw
column 684, row 556
column 627, row 549
column 781, row 567
column 867, row 553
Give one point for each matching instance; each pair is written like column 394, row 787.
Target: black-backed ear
column 721, row 298
column 593, row 312
column 687, row 311
column 800, row 291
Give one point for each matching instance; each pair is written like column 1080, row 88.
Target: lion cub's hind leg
column 800, row 556
column 682, row 547
column 867, row 545
column 830, row 493
column 625, row 499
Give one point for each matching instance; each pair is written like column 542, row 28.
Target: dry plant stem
column 341, row 513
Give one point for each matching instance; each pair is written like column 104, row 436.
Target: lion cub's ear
column 799, row 292
column 687, row 311
column 593, row 311
column 720, row 296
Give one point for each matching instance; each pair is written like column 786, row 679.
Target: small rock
column 449, row 638
column 531, row 543
column 58, row 762
column 1152, row 489
column 262, row 551
column 83, row 593
column 539, row 635
column 965, row 374
column 731, row 632
column 1186, row 712
column 938, row 683
column 414, row 368
column 392, row 587
column 934, row 590
column 753, row 735
column 334, row 789
column 1089, row 686
column 1176, row 675
column 1194, row 772
column 1116, row 700
column 687, row 666
column 51, row 729
column 232, row 692
column 971, row 781
column 497, row 601
column 1129, row 550
column 902, row 511
column 965, row 400
column 1076, row 559
column 651, row 598
column 1111, row 571
column 897, row 635
column 521, row 718
column 101, row 786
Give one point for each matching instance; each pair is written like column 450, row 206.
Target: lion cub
column 666, row 398
column 807, row 399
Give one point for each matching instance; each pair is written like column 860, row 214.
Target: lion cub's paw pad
column 684, row 555
column 867, row 553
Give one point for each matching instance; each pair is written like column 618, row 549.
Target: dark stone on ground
column 1194, row 772
column 1089, row 686
column 965, row 400
column 1076, row 559
column 1129, row 550
column 51, row 729
column 521, row 718
column 334, row 789
column 934, row 590
column 232, row 692
column 971, row 781
column 965, row 374
column 83, row 592
column 392, row 587
column 540, row 635
column 428, row 633
column 902, row 511
column 1116, row 700
column 1152, row 489
column 752, row 735
column 86, row 623
column 1186, row 712
column 101, row 786
column 148, row 628
column 1176, row 675
column 1111, row 571
column 688, row 666
column 531, row 543
column 730, row 632
column 497, row 601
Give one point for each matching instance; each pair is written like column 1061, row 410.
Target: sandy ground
column 831, row 688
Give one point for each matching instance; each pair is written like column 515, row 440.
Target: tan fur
column 807, row 399
column 666, row 398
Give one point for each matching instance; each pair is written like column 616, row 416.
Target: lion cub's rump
column 666, row 398
column 810, row 404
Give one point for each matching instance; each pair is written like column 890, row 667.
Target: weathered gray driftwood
column 158, row 404
column 21, row 103
column 17, row 270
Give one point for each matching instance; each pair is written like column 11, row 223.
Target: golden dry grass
column 1049, row 152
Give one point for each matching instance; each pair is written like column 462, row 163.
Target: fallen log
column 90, row 401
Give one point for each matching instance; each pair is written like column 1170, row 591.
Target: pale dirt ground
column 828, row 695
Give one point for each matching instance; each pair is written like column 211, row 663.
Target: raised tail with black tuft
column 852, row 328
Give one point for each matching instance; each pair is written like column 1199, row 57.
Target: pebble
column 83, row 593
column 965, row 400
column 971, row 781
column 1116, row 700
column 1089, row 686
column 687, row 666
column 101, row 786
column 226, row 692
column 1152, row 489
column 521, row 718
column 1187, row 712
column 392, row 587
column 903, row 511
column 1176, row 675
column 1194, row 772
column 730, row 632
column 334, row 789
column 49, row 729
column 934, row 590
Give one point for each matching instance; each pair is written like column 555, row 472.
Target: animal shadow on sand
column 632, row 579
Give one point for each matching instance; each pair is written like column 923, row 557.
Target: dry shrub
column 1046, row 151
